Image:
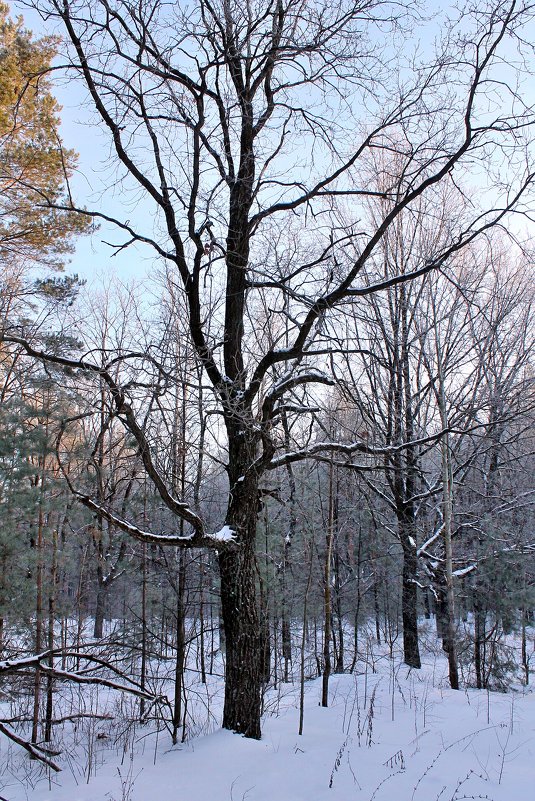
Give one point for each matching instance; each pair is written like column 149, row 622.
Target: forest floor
column 389, row 734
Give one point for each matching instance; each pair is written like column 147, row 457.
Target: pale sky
column 93, row 259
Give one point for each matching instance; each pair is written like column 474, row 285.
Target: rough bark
column 239, row 605
column 239, row 597
column 409, row 607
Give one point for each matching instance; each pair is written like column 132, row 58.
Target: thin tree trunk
column 405, row 492
column 38, row 619
column 178, row 473
column 264, row 612
column 479, row 640
column 3, row 597
column 142, row 678
column 79, row 606
column 50, row 644
column 286, row 637
column 201, row 621
column 327, row 600
column 447, row 506
column 339, row 667
column 357, row 607
column 180, row 658
column 377, row 613
column 303, row 644
column 525, row 659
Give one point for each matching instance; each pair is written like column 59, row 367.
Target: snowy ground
column 390, row 734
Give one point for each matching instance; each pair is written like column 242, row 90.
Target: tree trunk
column 202, row 646
column 408, row 509
column 303, row 643
column 376, row 612
column 38, row 619
column 286, row 643
column 265, row 634
column 286, row 636
column 409, row 608
column 239, row 606
column 339, row 666
column 479, row 642
column 143, row 674
column 525, row 657
column 447, row 506
column 100, row 611
column 327, row 600
column 180, row 659
column 238, row 571
column 51, row 618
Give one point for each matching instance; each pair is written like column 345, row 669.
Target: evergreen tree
column 35, row 224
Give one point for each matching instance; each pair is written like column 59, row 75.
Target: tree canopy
column 34, row 166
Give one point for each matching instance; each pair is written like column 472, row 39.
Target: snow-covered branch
column 36, row 752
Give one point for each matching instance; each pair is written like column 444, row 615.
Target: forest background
column 316, row 416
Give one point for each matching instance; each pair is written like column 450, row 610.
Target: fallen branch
column 35, row 751
column 58, row 721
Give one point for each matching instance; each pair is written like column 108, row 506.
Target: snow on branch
column 41, row 661
column 35, row 751
column 194, row 539
column 350, row 448
column 226, row 534
column 423, row 549
column 464, row 571
column 519, row 549
column 290, row 380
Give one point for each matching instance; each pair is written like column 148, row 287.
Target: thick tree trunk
column 239, row 606
column 238, row 571
column 409, row 608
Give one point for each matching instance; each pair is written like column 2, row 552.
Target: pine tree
column 36, row 226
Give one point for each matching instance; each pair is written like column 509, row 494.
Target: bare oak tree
column 243, row 127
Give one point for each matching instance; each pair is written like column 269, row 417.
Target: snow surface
column 389, row 734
